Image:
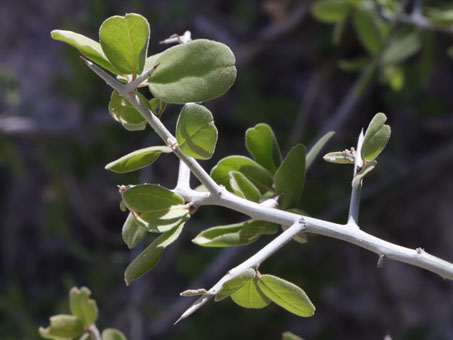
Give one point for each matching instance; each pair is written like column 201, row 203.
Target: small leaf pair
column 250, row 290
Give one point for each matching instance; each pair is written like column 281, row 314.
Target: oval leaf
column 124, row 41
column 316, row 149
column 123, row 112
column 243, row 187
column 290, row 178
column 82, row 306
column 137, row 160
column 163, row 220
column 195, row 131
column 250, row 296
column 150, row 198
column 86, row 46
column 368, row 27
column 151, row 255
column 402, row 47
column 231, row 286
column 194, row 72
column 261, row 177
column 287, row 295
column 235, row 234
column 62, row 327
column 112, row 334
column 340, row 157
column 330, row 11
column 376, row 137
column 367, row 168
column 132, row 232
column 263, row 146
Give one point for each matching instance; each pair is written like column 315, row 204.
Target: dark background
column 61, row 224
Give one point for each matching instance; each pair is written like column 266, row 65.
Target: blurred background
column 299, row 70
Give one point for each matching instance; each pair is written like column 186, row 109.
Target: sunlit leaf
column 234, row 234
column 261, row 177
column 195, row 131
column 376, row 137
column 124, row 41
column 287, row 295
column 82, row 306
column 86, row 46
column 150, row 198
column 163, row 220
column 263, row 146
column 250, row 296
column 138, row 159
column 194, row 72
column 231, row 286
column 123, row 112
column 243, row 187
column 290, row 178
column 62, row 327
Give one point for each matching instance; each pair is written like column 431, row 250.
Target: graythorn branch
column 218, row 195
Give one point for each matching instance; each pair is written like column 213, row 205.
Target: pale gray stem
column 183, row 177
column 94, row 332
column 354, row 205
column 252, row 262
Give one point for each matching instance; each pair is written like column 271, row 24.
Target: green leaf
column 290, row 177
column 231, row 286
column 62, row 327
column 340, row 157
column 442, row 17
column 330, row 11
column 195, row 131
column 290, row 336
column 124, row 41
column 151, row 255
column 287, row 295
column 86, row 46
column 402, row 47
column 194, row 72
column 150, row 198
column 250, row 296
column 243, row 187
column 258, row 175
column 82, row 306
column 376, row 137
column 368, row 27
column 137, row 160
column 132, row 232
column 316, row 149
column 367, row 168
column 157, row 106
column 237, row 234
column 123, row 112
column 394, row 76
column 112, row 334
column 263, row 146
column 163, row 220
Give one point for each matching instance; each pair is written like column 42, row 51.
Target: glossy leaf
column 330, row 11
column 198, row 71
column 123, row 112
column 124, row 41
column 235, row 234
column 367, row 168
column 316, row 149
column 62, row 327
column 368, row 28
column 243, row 187
column 86, row 46
column 402, row 47
column 151, row 255
column 195, row 131
column 376, row 137
column 132, row 232
column 150, row 198
column 263, row 146
column 250, row 296
column 231, row 286
column 290, row 177
column 138, row 159
column 261, row 177
column 112, row 334
column 82, row 306
column 287, row 295
column 339, row 157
